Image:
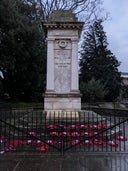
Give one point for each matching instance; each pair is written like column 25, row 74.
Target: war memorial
column 63, row 34
column 63, row 136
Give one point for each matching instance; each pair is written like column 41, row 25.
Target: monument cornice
column 69, row 95
column 74, row 39
column 63, row 25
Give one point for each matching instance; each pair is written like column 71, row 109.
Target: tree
column 22, row 62
column 99, row 62
column 87, row 10
column 93, row 91
column 124, row 91
column 22, row 42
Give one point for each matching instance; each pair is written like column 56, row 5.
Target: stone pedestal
column 62, row 89
column 68, row 102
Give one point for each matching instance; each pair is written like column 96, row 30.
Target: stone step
column 62, row 115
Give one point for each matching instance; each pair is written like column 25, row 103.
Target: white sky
column 117, row 30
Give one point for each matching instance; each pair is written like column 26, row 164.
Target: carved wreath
column 62, row 43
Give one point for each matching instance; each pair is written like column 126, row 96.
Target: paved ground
column 67, row 162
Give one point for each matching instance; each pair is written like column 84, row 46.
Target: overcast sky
column 117, row 30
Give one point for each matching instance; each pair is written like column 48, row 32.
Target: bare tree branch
column 85, row 10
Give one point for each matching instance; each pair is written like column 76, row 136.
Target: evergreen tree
column 98, row 62
column 124, row 92
column 22, row 63
column 93, row 91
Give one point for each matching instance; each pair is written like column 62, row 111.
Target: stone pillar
column 74, row 74
column 62, row 89
column 50, row 66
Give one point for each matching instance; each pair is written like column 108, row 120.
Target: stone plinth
column 62, row 90
column 62, row 102
column 62, row 115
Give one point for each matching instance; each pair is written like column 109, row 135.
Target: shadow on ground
column 66, row 162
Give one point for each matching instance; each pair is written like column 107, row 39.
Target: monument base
column 62, row 115
column 67, row 102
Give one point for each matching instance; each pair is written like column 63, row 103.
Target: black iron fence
column 23, row 131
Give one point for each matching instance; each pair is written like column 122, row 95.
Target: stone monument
column 62, row 89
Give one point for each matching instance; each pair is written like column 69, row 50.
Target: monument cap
column 62, row 16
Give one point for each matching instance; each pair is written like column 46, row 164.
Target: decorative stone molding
column 62, row 43
column 64, row 25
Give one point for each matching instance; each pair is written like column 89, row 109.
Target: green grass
column 26, row 105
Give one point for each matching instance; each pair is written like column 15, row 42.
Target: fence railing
column 34, row 131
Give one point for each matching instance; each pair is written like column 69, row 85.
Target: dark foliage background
column 98, row 67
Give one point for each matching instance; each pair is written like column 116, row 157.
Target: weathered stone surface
column 62, row 63
column 62, row 103
column 62, row 16
column 62, row 115
column 68, row 162
column 62, row 90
